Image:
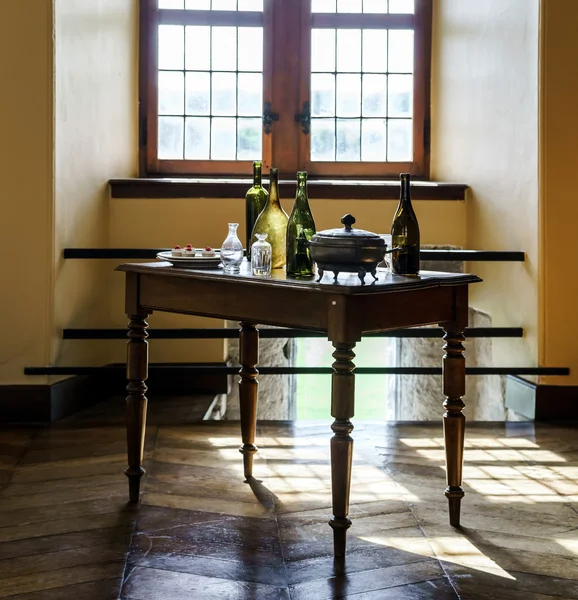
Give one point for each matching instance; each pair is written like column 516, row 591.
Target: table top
column 346, row 283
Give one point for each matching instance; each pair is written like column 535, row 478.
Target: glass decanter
column 261, row 256
column 232, row 251
column 273, row 221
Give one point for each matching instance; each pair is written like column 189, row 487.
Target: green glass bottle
column 405, row 233
column 273, row 222
column 255, row 200
column 300, row 230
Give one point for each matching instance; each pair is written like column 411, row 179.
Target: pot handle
column 348, row 220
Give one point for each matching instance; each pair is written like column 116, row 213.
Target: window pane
column 401, row 6
column 198, row 4
column 198, row 94
column 348, row 96
column 171, row 46
column 399, row 140
column 224, row 94
column 349, row 50
column 250, row 48
column 249, row 139
column 323, row 139
column 375, row 50
column 197, row 138
column 323, row 50
column 171, row 4
column 348, row 139
column 224, row 49
column 374, row 95
column 373, row 140
column 198, row 48
column 401, row 51
column 171, row 93
column 322, row 95
column 223, row 139
column 400, row 97
column 349, row 6
column 250, row 94
column 171, row 137
column 323, row 6
column 252, row 5
column 223, row 4
column 374, row 6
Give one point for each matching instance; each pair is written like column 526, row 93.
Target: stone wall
column 419, row 397
column 276, row 392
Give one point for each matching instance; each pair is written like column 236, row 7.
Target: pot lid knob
column 348, row 220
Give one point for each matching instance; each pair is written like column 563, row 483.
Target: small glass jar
column 261, row 256
column 232, row 251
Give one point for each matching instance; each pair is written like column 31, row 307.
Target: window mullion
column 285, row 92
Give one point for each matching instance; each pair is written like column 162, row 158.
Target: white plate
column 191, row 262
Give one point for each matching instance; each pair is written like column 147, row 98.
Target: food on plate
column 208, row 251
column 177, row 251
column 189, row 250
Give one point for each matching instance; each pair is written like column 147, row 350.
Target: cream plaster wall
column 559, row 206
column 485, row 133
column 26, row 169
column 96, row 124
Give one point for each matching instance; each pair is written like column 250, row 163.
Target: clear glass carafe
column 261, row 254
column 232, row 251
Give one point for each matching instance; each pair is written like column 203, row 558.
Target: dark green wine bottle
column 255, row 200
column 405, row 233
column 300, row 230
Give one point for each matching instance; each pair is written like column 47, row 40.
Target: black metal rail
column 437, row 255
column 220, row 370
column 220, row 333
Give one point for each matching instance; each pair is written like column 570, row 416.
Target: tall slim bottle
column 405, row 233
column 300, row 230
column 255, row 200
column 273, row 221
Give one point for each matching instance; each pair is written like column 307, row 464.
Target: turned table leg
column 342, row 408
column 454, row 387
column 136, row 401
column 248, row 391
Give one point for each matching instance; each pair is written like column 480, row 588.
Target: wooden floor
column 67, row 533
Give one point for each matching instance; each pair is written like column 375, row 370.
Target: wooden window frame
column 286, row 87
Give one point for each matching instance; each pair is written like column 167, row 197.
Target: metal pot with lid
column 347, row 249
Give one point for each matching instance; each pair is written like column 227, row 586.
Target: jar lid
column 348, row 235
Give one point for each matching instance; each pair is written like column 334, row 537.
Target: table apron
column 285, row 307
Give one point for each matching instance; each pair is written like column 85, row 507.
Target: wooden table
column 344, row 309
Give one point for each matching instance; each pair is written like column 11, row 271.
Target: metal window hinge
column 304, row 117
column 268, row 117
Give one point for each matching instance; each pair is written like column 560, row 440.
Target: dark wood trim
column 196, row 369
column 441, row 255
column 542, row 402
column 221, row 333
column 335, row 189
column 45, row 403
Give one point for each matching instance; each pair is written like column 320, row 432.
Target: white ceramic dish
column 191, row 262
